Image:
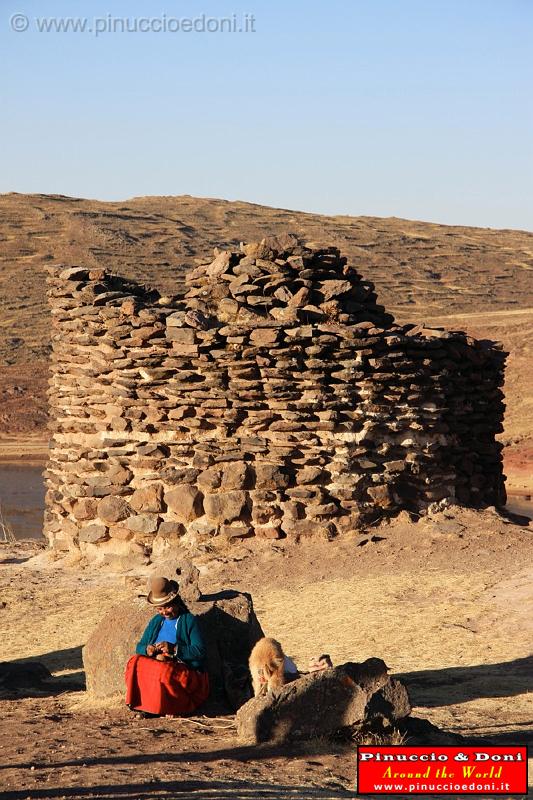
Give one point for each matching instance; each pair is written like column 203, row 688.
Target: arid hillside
column 479, row 280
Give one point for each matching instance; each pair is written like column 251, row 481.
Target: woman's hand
column 150, row 650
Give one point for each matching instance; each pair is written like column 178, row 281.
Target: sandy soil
column 445, row 602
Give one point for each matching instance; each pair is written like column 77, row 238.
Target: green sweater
column 190, row 646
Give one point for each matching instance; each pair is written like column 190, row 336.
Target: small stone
column 121, row 533
column 185, row 502
column 257, row 250
column 176, row 320
column 225, row 507
column 174, row 476
column 292, row 510
column 219, row 265
column 119, row 476
column 113, row 509
column 268, row 532
column 171, row 530
column 234, row 475
column 85, row 508
column 283, row 294
column 308, row 474
column 381, row 496
column 305, row 528
column 93, row 533
column 149, row 498
column 331, row 289
column 299, row 299
column 317, row 511
column 264, row 337
column 350, row 522
column 240, row 531
column 74, row 274
column 181, row 335
column 209, row 479
column 195, row 319
column 270, row 476
column 129, row 307
column 143, row 523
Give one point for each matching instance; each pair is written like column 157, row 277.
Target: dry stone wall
column 277, row 398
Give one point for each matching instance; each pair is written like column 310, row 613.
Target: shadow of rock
column 442, row 687
column 32, row 678
column 69, row 658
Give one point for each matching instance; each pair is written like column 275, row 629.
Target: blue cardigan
column 190, row 646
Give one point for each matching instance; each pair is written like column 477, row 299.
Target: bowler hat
column 162, row 591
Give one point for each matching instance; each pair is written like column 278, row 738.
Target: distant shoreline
column 25, row 450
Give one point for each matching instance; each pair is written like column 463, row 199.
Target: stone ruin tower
column 274, row 399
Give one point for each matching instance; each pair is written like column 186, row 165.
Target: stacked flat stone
column 277, row 398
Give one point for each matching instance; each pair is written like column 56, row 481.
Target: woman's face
column 168, row 611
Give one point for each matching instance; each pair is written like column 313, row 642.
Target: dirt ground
column 445, row 602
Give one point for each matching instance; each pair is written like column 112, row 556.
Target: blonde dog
column 267, row 666
column 271, row 668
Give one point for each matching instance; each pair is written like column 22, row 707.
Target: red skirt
column 164, row 687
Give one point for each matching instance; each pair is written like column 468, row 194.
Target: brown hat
column 162, row 591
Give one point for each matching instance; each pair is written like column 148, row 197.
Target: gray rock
column 225, row 507
column 188, row 582
column 93, row 534
column 229, row 626
column 342, row 700
column 143, row 523
column 185, row 502
column 149, row 498
column 113, row 509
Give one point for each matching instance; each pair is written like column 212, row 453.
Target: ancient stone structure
column 275, row 399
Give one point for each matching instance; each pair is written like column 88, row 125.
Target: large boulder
column 341, row 701
column 229, row 626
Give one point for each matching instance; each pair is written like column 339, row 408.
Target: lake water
column 22, row 499
column 521, row 504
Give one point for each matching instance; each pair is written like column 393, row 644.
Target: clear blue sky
column 413, row 108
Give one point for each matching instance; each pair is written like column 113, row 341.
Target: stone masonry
column 276, row 399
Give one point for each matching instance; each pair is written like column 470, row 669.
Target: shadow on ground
column 519, row 737
column 32, row 676
column 57, row 660
column 204, row 790
column 242, row 753
column 443, row 687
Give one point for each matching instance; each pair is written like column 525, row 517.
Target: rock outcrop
column 275, row 399
column 228, row 624
column 343, row 701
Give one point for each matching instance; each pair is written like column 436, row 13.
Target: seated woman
column 168, row 675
